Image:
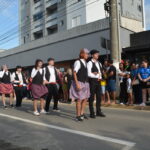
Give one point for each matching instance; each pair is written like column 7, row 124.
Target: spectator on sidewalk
column 111, row 81
column 137, row 91
column 123, row 85
column 144, row 77
column 129, row 89
column 68, row 80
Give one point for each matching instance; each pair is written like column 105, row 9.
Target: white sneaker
column 143, row 104
column 36, row 113
column 121, row 103
column 43, row 112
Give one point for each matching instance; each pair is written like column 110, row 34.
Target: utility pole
column 115, row 32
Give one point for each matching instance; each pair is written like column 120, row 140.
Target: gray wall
column 132, row 9
column 64, row 50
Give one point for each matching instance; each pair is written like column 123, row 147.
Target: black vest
column 82, row 74
column 47, row 74
column 94, row 68
column 6, row 78
column 38, row 79
column 17, row 78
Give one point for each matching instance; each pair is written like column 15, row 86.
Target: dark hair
column 144, row 60
column 50, row 59
column 110, row 61
column 18, row 67
column 37, row 62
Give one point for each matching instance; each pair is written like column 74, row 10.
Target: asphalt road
column 120, row 130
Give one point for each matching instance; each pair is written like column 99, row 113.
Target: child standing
column 129, row 89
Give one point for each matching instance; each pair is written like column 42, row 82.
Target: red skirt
column 6, row 88
column 39, row 91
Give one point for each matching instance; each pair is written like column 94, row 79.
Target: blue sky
column 9, row 22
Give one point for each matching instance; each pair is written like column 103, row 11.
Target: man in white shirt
column 51, row 78
column 19, row 83
column 95, row 75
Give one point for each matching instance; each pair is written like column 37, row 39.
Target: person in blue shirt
column 137, row 92
column 144, row 77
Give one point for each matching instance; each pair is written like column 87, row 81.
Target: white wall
column 94, row 10
column 89, row 10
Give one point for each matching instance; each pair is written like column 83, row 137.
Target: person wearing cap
column 79, row 90
column 51, row 79
column 19, row 83
column 95, row 76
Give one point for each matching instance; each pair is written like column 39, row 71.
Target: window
column 52, row 29
column 61, row 23
column 37, row 16
column 38, row 35
column 76, row 21
column 35, row 1
column 51, row 10
column 105, row 43
column 140, row 8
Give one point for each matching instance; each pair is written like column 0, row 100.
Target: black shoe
column 56, row 110
column 84, row 116
column 92, row 116
column 78, row 118
column 5, row 107
column 100, row 114
column 11, row 106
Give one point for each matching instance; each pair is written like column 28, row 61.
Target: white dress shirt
column 20, row 79
column 3, row 72
column 90, row 73
column 77, row 65
column 52, row 74
column 35, row 71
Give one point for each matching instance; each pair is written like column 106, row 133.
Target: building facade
column 139, row 48
column 40, row 18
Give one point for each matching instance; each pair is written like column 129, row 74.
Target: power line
column 43, row 18
column 44, row 14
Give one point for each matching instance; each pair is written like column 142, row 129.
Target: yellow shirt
column 103, row 83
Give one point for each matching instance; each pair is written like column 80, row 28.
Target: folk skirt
column 82, row 94
column 6, row 88
column 39, row 91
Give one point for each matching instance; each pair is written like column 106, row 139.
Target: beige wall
column 131, row 24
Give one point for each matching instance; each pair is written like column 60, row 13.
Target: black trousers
column 52, row 92
column 137, row 91
column 123, row 96
column 95, row 89
column 20, row 93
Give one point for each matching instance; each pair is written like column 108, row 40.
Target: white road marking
column 127, row 145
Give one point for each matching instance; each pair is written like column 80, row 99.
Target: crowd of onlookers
column 134, row 83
